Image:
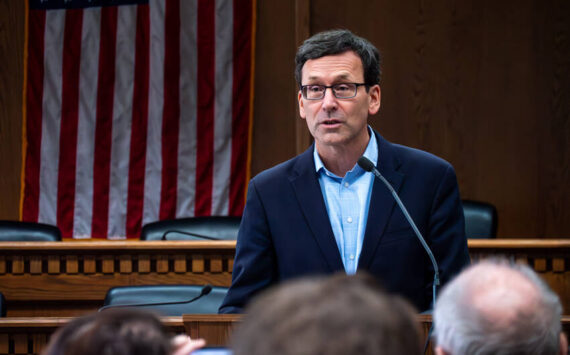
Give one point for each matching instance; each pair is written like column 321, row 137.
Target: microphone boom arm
column 367, row 165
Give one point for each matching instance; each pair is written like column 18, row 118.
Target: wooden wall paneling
column 508, row 129
column 4, row 344
column 39, row 342
column 11, row 74
column 20, row 343
column 460, row 79
column 275, row 103
column 302, row 31
column 551, row 45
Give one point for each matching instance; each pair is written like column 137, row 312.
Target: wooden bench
column 71, row 278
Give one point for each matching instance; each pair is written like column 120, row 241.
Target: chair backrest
column 480, row 219
column 195, row 228
column 132, row 295
column 2, row 305
column 28, row 231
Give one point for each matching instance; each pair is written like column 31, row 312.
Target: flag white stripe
column 88, row 79
column 122, row 121
column 51, row 116
column 153, row 166
column 187, row 141
column 122, row 109
column 223, row 107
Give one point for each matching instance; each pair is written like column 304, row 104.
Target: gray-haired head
column 497, row 307
column 336, row 42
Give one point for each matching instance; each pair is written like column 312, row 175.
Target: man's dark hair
column 113, row 332
column 334, row 316
column 337, row 42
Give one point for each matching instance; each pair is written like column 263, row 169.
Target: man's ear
column 301, row 106
column 375, row 96
column 563, row 344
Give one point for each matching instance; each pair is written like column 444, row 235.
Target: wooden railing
column 71, row 278
column 31, row 334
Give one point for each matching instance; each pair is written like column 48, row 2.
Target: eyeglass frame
column 303, row 93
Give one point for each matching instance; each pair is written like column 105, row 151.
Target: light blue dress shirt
column 347, row 200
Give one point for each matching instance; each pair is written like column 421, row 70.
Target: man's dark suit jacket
column 286, row 233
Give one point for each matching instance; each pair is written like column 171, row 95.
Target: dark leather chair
column 2, row 305
column 480, row 219
column 195, row 228
column 28, row 231
column 137, row 295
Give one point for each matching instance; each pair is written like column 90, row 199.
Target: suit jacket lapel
column 382, row 202
column 311, row 202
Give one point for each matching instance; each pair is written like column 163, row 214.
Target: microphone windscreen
column 365, row 163
column 206, row 290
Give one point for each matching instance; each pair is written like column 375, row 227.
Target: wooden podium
column 216, row 329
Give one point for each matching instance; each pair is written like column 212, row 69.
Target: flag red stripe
column 241, row 103
column 69, row 121
column 104, row 124
column 205, row 100
column 171, row 110
column 34, row 96
column 137, row 157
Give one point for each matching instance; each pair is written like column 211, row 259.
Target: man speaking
column 320, row 212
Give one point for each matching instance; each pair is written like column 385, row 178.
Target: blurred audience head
column 120, row 331
column 497, row 307
column 334, row 315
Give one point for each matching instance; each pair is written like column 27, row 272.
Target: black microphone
column 367, row 165
column 203, row 292
column 196, row 235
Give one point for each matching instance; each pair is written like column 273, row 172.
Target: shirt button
column 351, row 256
column 349, row 219
column 346, row 184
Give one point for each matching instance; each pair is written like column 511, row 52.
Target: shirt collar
column 371, row 153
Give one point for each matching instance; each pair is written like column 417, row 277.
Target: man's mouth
column 330, row 122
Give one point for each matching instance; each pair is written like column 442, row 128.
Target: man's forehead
column 338, row 76
column 346, row 65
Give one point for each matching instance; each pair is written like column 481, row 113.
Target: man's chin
column 332, row 139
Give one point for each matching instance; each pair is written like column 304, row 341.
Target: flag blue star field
column 136, row 111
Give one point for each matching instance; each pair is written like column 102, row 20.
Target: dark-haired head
column 336, row 42
column 113, row 332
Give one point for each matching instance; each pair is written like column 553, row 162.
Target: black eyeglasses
column 340, row 91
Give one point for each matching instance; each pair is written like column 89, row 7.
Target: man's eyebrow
column 343, row 76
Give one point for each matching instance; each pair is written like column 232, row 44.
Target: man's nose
column 329, row 100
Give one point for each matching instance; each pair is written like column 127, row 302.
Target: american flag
column 136, row 111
